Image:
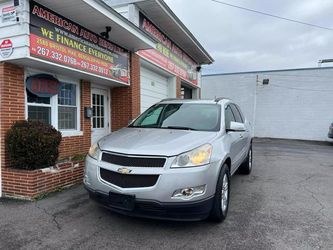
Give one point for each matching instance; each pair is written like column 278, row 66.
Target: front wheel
column 221, row 198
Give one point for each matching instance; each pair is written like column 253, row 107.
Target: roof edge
column 267, row 71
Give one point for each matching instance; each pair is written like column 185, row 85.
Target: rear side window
column 236, row 113
column 229, row 117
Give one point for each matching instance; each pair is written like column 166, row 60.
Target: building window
column 67, row 107
column 39, row 108
column 60, row 110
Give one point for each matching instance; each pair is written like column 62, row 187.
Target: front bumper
column 180, row 211
column 169, row 180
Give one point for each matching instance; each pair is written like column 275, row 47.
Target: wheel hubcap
column 225, row 194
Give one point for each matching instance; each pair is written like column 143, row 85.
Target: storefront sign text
column 57, row 39
column 168, row 55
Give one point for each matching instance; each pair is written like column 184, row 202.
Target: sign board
column 8, row 14
column 6, row 48
column 59, row 40
column 167, row 54
column 43, row 85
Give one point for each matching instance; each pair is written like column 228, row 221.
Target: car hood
column 150, row 141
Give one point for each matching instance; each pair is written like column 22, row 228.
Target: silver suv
column 173, row 162
column 330, row 131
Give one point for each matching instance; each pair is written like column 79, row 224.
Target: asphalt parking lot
column 286, row 203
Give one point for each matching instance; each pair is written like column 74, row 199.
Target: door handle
column 241, row 136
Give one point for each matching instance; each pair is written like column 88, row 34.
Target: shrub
column 32, row 145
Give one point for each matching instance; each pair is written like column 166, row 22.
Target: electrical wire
column 272, row 15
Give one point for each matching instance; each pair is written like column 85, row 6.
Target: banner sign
column 43, row 85
column 167, row 54
column 9, row 14
column 59, row 40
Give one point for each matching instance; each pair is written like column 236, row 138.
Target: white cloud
column 242, row 41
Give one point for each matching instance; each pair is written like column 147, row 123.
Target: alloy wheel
column 250, row 158
column 225, row 194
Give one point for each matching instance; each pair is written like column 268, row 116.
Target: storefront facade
column 57, row 70
column 86, row 75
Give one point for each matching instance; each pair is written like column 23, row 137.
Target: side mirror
column 236, row 127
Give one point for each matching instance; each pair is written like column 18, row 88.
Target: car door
column 243, row 135
column 233, row 138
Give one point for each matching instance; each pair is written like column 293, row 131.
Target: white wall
column 16, row 31
column 296, row 104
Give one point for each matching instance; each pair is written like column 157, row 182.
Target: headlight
column 94, row 151
column 197, row 157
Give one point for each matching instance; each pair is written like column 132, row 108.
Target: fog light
column 189, row 192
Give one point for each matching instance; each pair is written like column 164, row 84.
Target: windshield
column 187, row 116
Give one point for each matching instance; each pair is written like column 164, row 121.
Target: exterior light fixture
column 105, row 33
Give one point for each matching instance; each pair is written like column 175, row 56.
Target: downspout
column 255, row 105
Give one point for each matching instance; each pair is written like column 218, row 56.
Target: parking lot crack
column 300, row 184
column 304, row 180
column 322, row 207
column 54, row 217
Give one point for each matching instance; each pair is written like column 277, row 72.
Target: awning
column 95, row 15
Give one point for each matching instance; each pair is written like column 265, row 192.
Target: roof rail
column 217, row 99
column 170, row 99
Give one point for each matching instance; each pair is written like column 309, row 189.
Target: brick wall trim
column 28, row 184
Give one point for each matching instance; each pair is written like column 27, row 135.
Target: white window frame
column 54, row 103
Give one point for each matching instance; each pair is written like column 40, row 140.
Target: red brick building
column 87, row 70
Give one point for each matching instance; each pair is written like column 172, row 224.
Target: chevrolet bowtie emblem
column 124, row 170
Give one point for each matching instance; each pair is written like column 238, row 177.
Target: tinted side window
column 229, row 117
column 237, row 115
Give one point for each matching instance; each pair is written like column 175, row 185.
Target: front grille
column 127, row 161
column 128, row 180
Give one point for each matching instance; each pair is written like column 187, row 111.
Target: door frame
column 108, row 105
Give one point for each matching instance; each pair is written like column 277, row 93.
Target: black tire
column 218, row 214
column 246, row 166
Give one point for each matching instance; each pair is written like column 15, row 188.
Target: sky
column 244, row 41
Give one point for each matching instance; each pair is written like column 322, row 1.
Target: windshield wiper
column 142, row 126
column 179, row 127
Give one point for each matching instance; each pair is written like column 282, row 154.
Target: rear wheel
column 221, row 198
column 246, row 167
